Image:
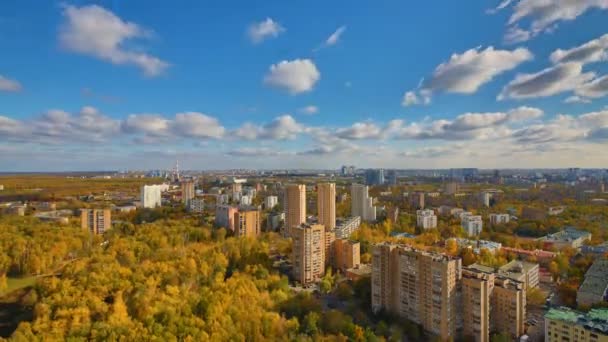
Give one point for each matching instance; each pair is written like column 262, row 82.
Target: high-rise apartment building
column 150, row 196
column 426, row 219
column 224, row 216
column 187, row 191
column 247, row 222
column 496, row 219
column 484, row 198
column 417, row 285
column 326, row 205
column 295, row 206
column 362, row 205
column 330, row 238
column 491, row 302
column 96, row 221
column 417, row 200
column 308, row 252
column 347, row 226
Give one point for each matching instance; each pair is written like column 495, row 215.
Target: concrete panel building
column 426, row 219
column 295, row 207
column 308, row 253
column 326, row 205
column 347, row 254
column 247, row 222
column 96, row 221
column 362, row 204
column 151, row 196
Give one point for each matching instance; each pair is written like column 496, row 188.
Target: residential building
column 496, row 219
column 346, row 254
column 594, row 289
column 18, row 210
column 426, row 219
column 125, row 208
column 362, row 205
column 326, row 205
column 359, row 272
column 565, row 324
column 543, row 257
column 330, row 238
column 247, row 222
column 451, row 188
column 295, row 207
column 246, row 200
column 150, row 196
column 553, row 211
column 345, row 227
column 187, row 191
column 275, row 221
column 224, row 216
column 270, row 202
column 508, row 303
column 569, row 237
column 477, row 289
column 484, row 198
column 96, row 221
column 417, row 285
column 416, row 200
column 472, row 224
column 308, row 252
column 522, row 271
column 196, row 205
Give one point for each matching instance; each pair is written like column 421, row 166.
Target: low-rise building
column 345, row 227
column 522, row 271
column 496, row 219
column 569, row 237
column 58, row 216
column 426, row 219
column 478, row 245
column 196, row 205
column 125, row 208
column 565, row 324
column 359, row 272
column 18, row 210
column 472, row 224
column 552, row 211
column 347, row 254
column 594, row 289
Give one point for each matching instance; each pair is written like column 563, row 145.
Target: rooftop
column 596, row 319
column 596, row 279
column 568, row 234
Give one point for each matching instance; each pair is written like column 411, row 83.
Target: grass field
column 17, row 283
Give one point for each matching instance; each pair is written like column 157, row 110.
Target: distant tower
column 175, row 174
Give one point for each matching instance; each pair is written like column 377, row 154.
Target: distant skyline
column 113, row 85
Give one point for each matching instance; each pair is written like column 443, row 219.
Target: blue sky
column 127, row 85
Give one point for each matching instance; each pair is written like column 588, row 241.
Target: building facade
column 472, row 224
column 362, row 204
column 565, row 324
column 151, row 196
column 426, row 219
column 347, row 254
column 270, row 202
column 96, row 221
column 295, row 206
column 496, row 219
column 224, row 216
column 308, row 253
column 344, row 228
column 247, row 222
column 187, row 191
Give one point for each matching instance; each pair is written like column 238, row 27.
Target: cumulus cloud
column 544, row 15
column 576, row 99
column 297, row 76
column 310, row 110
column 284, row 127
column 152, row 125
column 93, row 30
column 260, row 31
column 465, row 73
column 550, row 81
column 515, row 35
column 360, row 130
column 7, row 84
column 592, row 51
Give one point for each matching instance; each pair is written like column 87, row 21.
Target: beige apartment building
column 247, row 222
column 565, row 324
column 417, row 285
column 326, row 205
column 347, row 254
column 330, row 238
column 295, row 207
column 308, row 252
column 96, row 221
column 187, row 191
column 491, row 302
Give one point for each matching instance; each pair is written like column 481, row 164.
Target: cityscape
column 342, row 171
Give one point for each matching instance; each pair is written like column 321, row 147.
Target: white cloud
column 544, row 15
column 258, row 32
column 334, row 38
column 284, row 127
column 297, row 76
column 547, row 82
column 576, row 99
column 360, row 130
column 6, row 84
column 515, row 35
column 256, row 152
column 152, row 125
column 95, row 31
column 465, row 73
column 197, row 125
column 410, row 98
column 310, row 110
column 594, row 89
column 593, row 51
